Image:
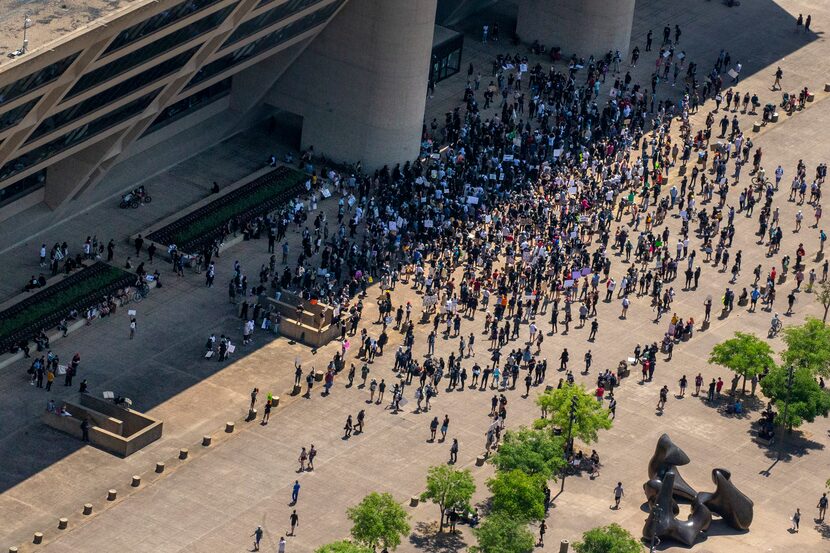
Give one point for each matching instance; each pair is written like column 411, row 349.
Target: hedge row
column 45, row 309
column 201, row 227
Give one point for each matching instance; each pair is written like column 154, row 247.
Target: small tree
column 449, row 489
column 745, row 354
column 808, row 345
column 343, row 546
column 590, row 415
column 531, row 451
column 500, row 533
column 608, row 539
column 518, row 495
column 378, row 520
column 823, row 296
column 807, row 399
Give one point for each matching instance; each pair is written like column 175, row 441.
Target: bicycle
column 141, row 292
column 759, row 181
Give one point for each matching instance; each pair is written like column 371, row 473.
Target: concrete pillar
column 583, row 27
column 361, row 85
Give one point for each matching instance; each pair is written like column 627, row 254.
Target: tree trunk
column 826, row 308
column 743, row 387
column 441, row 521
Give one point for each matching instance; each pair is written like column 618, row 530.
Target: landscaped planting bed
column 44, row 310
column 200, row 228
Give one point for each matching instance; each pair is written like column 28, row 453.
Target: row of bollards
column 112, row 495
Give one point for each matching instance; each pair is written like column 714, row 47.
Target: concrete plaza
column 213, row 501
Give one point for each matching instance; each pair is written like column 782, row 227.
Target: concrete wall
column 361, row 85
column 583, row 27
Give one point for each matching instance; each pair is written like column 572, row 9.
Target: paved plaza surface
column 213, row 501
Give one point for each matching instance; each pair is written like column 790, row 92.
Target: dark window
column 146, row 53
column 190, row 104
column 14, row 116
column 22, row 187
column 39, row 78
column 77, row 135
column 268, row 18
column 156, row 22
column 111, row 94
column 265, row 43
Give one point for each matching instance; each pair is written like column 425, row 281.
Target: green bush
column 58, row 301
column 236, row 207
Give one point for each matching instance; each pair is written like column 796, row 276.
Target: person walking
column 281, row 545
column 444, row 427
column 348, row 428
column 295, row 492
column 302, row 460
column 796, row 519
column 542, row 529
column 312, row 453
column 664, row 396
column 618, row 494
column 266, row 415
column 454, row 451
column 683, row 383
column 132, row 327
column 257, row 535
column 85, row 430
column 822, row 507
column 294, row 520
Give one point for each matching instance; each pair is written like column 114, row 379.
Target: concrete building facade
column 353, row 72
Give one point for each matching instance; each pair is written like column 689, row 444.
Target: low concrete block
column 296, row 390
column 183, row 453
column 229, row 426
column 88, row 509
column 63, row 523
column 480, row 460
column 563, row 546
column 13, row 549
column 136, row 481
column 775, row 117
column 206, row 440
column 756, row 126
column 38, row 537
column 251, row 415
column 112, row 495
column 811, row 97
column 318, row 377
column 826, row 87
column 414, row 500
column 159, row 467
column 275, row 401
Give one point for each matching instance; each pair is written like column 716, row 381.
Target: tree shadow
column 428, row 539
column 823, row 529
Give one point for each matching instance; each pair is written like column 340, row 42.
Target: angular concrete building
column 98, row 82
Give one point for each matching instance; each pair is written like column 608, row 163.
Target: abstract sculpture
column 665, row 486
column 729, row 502
column 667, row 457
column 665, row 524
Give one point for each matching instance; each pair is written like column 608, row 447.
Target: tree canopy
column 807, row 399
column 808, row 345
column 378, row 520
column 590, row 415
column 518, row 495
column 342, row 546
column 608, row 539
column 745, row 354
column 531, row 451
column 449, row 488
column 499, row 533
column 823, row 296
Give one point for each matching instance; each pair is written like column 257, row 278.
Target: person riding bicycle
column 762, row 176
column 775, row 324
